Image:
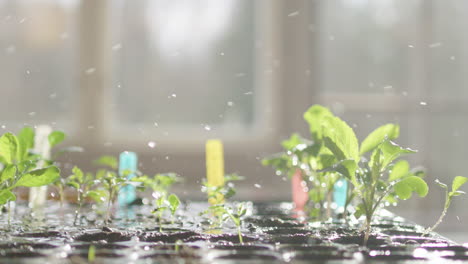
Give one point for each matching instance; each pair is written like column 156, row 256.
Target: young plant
column 110, row 180
column 85, row 186
column 458, row 182
column 311, row 158
column 160, row 185
column 235, row 214
column 219, row 194
column 20, row 167
column 174, row 203
column 376, row 179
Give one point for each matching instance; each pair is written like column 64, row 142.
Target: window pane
column 37, row 61
column 183, row 63
column 367, row 45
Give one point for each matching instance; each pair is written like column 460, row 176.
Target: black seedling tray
column 271, row 234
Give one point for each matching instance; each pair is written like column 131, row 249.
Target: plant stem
column 241, row 241
column 9, row 214
column 367, row 231
column 448, row 200
column 329, row 196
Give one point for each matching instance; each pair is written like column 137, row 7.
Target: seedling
column 458, row 182
column 234, row 214
column 160, row 185
column 368, row 176
column 174, row 203
column 311, row 158
column 219, row 195
column 85, row 185
column 110, row 180
column 20, row 168
column 91, row 254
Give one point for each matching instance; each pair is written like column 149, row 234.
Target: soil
column 271, row 234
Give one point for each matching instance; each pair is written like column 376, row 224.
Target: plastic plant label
column 215, row 167
column 128, row 161
column 340, row 191
column 38, row 195
column 299, row 191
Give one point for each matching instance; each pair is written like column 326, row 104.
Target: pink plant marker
column 299, row 191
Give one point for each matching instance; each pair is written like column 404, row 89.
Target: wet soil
column 270, row 233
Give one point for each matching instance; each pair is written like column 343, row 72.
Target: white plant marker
column 38, row 195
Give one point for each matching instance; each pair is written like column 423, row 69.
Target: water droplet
column 174, row 95
column 207, row 127
column 28, row 72
column 151, row 144
column 32, row 113
column 52, row 95
column 22, row 20
column 117, row 46
column 248, row 93
column 221, row 53
column 293, row 14
column 3, row 126
column 452, row 57
column 410, row 46
column 156, row 124
column 258, row 186
column 167, row 157
column 368, row 115
column 435, row 45
column 404, row 93
column 423, row 103
column 230, row 103
column 90, row 71
column 10, row 49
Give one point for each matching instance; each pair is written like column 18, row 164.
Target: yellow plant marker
column 215, row 167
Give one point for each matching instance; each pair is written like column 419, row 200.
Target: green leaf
column 174, row 202
column 392, row 151
column 441, row 184
column 98, row 196
column 373, row 140
column 8, row 173
column 458, row 182
column 9, row 147
column 292, row 142
column 456, row 193
column 407, row 186
column 55, row 138
column 347, row 168
column 77, row 174
column 25, row 142
column 399, row 170
column 340, row 139
column 39, row 177
column 5, row 196
column 314, row 117
column 108, row 161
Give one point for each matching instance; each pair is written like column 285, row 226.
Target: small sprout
column 235, row 214
column 458, row 182
column 161, row 206
column 174, row 203
column 177, row 245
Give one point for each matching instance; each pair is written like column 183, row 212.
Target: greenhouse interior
column 233, row 131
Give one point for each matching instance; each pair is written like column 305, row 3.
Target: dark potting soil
column 271, row 234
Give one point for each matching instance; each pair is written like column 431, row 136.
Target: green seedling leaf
column 108, row 161
column 456, row 193
column 55, row 138
column 314, row 117
column 441, row 184
column 373, row 140
column 399, row 170
column 77, row 174
column 407, row 186
column 26, row 142
column 347, row 168
column 174, row 203
column 292, row 142
column 6, row 196
column 458, row 182
column 391, row 151
column 8, row 173
column 9, row 147
column 98, row 196
column 40, row 177
column 233, row 177
column 340, row 139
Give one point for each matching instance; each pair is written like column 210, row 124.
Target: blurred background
column 160, row 77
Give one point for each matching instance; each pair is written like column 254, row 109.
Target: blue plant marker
column 127, row 161
column 340, row 192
